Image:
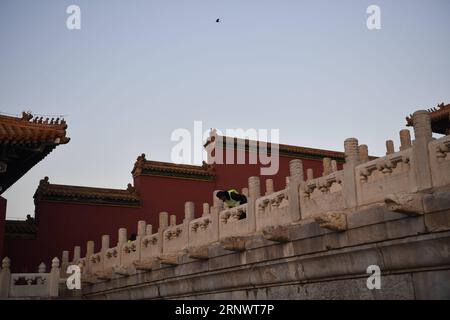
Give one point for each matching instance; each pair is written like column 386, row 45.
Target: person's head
column 222, row 195
column 133, row 237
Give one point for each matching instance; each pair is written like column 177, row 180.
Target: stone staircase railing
column 29, row 285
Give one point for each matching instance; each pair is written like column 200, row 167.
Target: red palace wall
column 236, row 176
column 62, row 225
column 2, row 223
column 169, row 194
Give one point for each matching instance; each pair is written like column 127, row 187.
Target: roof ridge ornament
column 210, row 168
column 44, row 182
column 131, row 188
column 26, row 116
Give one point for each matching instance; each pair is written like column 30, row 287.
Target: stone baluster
column 390, row 149
column 105, row 242
column 122, row 238
column 5, row 278
column 89, row 249
column 149, row 230
column 296, row 178
column 64, row 263
column 405, row 139
column 205, row 209
column 189, row 212
column 76, row 254
column 163, row 225
column 163, row 220
column 296, row 170
column 422, row 126
column 288, row 179
column 326, row 166
column 334, row 166
column 173, row 220
column 363, row 153
column 254, row 187
column 254, row 190
column 352, row 159
column 104, row 248
column 244, row 191
column 42, row 268
column 89, row 252
column 122, row 241
column 141, row 232
column 421, row 160
column 217, row 207
column 141, row 228
column 309, row 174
column 54, row 278
column 351, row 151
column 217, row 203
column 269, row 186
column 65, row 257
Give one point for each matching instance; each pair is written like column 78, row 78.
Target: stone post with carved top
column 420, row 162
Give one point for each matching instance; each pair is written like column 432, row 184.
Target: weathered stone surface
column 150, row 292
column 277, row 234
column 264, row 253
column 307, row 229
column 435, row 222
column 392, row 288
column 426, row 251
column 438, row 201
column 170, row 259
column 340, row 264
column 309, row 245
column 372, row 215
column 432, row 284
column 312, row 277
column 146, row 265
column 405, row 227
column 191, row 267
column 225, row 261
column 234, row 244
column 198, row 253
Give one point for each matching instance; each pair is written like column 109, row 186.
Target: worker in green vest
column 231, row 198
column 132, row 238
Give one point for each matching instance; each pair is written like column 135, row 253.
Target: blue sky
column 137, row 70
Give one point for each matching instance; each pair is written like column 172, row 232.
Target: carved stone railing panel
column 273, row 210
column 204, row 230
column 322, row 194
column 130, row 253
column 29, row 285
column 234, row 222
column 82, row 264
column 96, row 263
column 111, row 259
column 150, row 251
column 439, row 151
column 175, row 239
column 150, row 246
column 380, row 177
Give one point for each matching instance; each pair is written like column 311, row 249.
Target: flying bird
column 218, row 20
